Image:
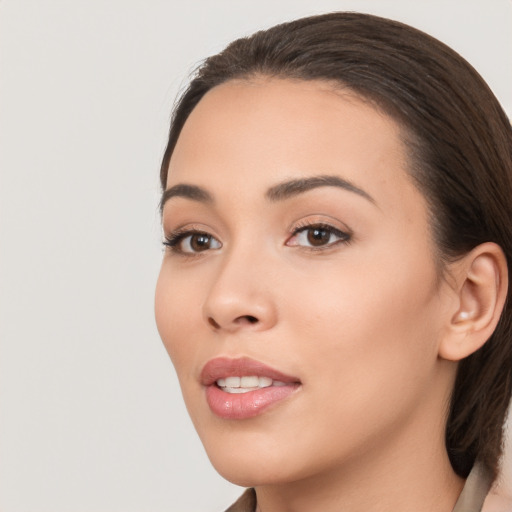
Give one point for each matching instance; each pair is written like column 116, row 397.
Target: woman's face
column 299, row 257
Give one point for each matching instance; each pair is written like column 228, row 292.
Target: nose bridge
column 240, row 295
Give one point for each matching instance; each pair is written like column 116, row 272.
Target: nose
column 240, row 296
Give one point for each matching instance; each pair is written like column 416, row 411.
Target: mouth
column 243, row 388
column 246, row 383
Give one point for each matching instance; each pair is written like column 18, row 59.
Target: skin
column 360, row 323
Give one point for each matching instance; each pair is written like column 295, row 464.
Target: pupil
column 318, row 236
column 200, row 242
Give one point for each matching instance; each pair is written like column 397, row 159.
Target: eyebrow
column 187, row 191
column 292, row 188
column 279, row 192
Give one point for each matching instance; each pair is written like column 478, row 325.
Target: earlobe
column 481, row 287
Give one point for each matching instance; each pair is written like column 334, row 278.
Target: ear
column 481, row 284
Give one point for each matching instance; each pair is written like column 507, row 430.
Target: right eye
column 191, row 242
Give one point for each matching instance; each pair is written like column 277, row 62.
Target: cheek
column 363, row 326
column 173, row 314
column 365, row 341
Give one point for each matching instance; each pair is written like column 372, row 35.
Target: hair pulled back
column 459, row 142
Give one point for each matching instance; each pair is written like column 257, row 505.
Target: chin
column 244, row 478
column 244, row 462
column 247, row 472
column 254, row 460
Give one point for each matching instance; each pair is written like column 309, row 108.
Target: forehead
column 262, row 131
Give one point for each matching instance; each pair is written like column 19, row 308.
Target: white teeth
column 249, row 382
column 246, row 383
column 232, row 382
column 265, row 382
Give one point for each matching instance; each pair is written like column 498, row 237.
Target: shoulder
column 497, row 503
column 246, row 502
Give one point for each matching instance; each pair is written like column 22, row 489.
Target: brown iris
column 318, row 236
column 200, row 242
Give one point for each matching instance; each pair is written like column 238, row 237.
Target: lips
column 243, row 388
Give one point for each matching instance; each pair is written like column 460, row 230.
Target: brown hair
column 460, row 145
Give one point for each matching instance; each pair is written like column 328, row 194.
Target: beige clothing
column 471, row 498
column 246, row 502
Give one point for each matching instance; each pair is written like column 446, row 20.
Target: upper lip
column 222, row 367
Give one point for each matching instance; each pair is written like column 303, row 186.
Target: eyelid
column 320, row 220
column 187, row 227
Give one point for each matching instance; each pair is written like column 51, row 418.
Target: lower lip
column 239, row 406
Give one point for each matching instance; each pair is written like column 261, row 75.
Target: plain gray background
column 91, row 417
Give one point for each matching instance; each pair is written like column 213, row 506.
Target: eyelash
column 343, row 236
column 175, row 238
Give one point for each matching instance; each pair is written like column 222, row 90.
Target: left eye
column 192, row 242
column 198, row 242
column 317, row 236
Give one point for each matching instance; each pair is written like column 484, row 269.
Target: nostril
column 213, row 323
column 247, row 319
column 239, row 321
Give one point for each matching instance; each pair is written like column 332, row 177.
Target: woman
column 336, row 211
